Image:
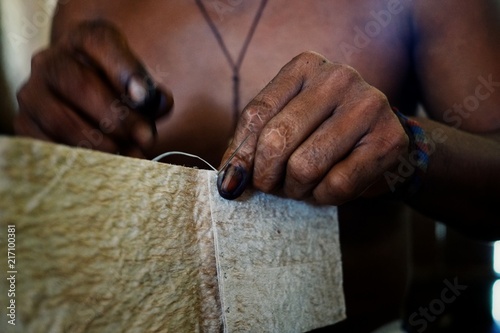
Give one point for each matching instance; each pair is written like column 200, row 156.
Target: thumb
column 236, row 171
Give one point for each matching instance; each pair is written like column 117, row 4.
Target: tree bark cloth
column 108, row 243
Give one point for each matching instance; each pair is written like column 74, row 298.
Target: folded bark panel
column 279, row 264
column 113, row 244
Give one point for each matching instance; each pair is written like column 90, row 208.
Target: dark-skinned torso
column 176, row 44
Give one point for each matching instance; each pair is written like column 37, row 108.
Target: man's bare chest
column 175, row 37
column 196, row 52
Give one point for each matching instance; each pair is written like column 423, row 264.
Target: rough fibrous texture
column 113, row 244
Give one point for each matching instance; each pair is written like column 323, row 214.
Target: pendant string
column 235, row 66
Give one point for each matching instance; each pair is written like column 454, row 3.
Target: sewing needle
column 233, row 154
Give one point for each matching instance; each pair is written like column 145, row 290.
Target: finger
column 323, row 96
column 25, row 126
column 233, row 179
column 104, row 47
column 271, row 100
column 364, row 119
column 364, row 166
column 328, row 145
column 284, row 134
column 334, row 139
column 84, row 91
column 61, row 124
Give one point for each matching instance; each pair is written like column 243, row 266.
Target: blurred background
column 24, row 28
column 436, row 252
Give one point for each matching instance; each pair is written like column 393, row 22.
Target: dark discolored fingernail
column 232, row 181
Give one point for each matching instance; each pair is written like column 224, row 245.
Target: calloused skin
column 323, row 127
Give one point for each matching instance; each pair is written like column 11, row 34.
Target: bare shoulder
column 461, row 16
column 457, row 45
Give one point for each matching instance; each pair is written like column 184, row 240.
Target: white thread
column 218, row 267
column 159, row 157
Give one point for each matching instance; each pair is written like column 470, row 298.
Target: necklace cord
column 235, row 66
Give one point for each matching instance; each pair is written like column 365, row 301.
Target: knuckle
column 375, row 99
column 341, row 78
column 399, row 141
column 338, row 188
column 373, row 106
column 258, row 112
column 388, row 148
column 392, row 143
column 302, row 171
column 264, row 178
column 311, row 58
column 396, row 145
column 270, row 150
column 266, row 103
column 308, row 61
column 346, row 75
column 275, row 142
column 392, row 140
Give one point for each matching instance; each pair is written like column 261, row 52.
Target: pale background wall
column 25, row 26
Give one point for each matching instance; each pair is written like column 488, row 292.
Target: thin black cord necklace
column 235, row 66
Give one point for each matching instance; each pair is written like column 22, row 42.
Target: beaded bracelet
column 418, row 155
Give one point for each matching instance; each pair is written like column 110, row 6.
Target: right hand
column 90, row 90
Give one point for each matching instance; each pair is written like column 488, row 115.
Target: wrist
column 418, row 157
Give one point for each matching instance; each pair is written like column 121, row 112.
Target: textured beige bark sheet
column 112, row 244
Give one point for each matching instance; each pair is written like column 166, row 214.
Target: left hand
column 316, row 129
